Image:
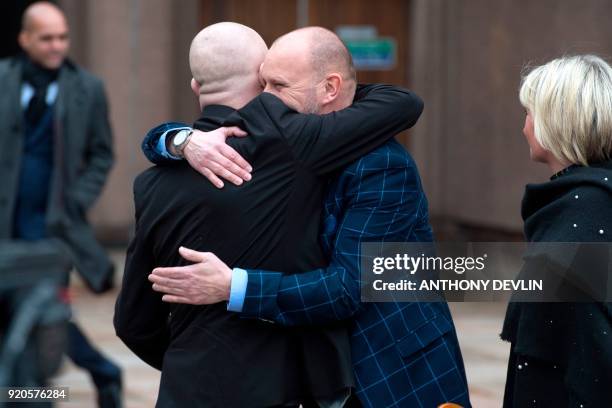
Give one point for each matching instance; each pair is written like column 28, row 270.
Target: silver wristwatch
column 180, row 140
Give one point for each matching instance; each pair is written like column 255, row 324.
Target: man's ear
column 23, row 39
column 195, row 87
column 262, row 83
column 333, row 84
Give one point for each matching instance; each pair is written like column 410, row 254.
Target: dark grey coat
column 83, row 158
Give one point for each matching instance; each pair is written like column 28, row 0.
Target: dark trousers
column 84, row 355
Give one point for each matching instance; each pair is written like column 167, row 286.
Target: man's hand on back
column 208, row 154
column 205, row 282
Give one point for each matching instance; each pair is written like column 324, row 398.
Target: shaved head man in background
column 404, row 354
column 44, row 34
column 208, row 355
column 54, row 110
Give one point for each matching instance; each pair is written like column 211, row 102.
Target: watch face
column 179, row 138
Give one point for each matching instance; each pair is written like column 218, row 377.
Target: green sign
column 373, row 54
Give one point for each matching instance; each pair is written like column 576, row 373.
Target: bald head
column 325, row 51
column 41, row 13
column 311, row 70
column 44, row 34
column 224, row 59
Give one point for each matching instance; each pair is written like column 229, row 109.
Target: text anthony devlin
column 460, row 285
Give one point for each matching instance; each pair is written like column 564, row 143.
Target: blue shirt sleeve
column 154, row 150
column 161, row 143
column 238, row 288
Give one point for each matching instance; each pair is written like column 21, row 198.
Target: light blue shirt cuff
column 238, row 288
column 161, row 144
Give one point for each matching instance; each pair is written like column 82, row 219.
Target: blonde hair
column 570, row 101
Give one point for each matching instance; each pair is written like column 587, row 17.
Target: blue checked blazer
column 404, row 354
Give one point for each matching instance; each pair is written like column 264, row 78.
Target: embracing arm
column 317, row 297
column 323, row 142
column 383, row 202
column 326, row 143
column 206, row 152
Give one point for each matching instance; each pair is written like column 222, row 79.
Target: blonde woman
column 561, row 353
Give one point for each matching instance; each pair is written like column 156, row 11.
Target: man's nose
column 57, row 44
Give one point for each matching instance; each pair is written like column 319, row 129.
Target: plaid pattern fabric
column 404, row 354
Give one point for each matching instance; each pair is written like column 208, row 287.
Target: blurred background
column 463, row 57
